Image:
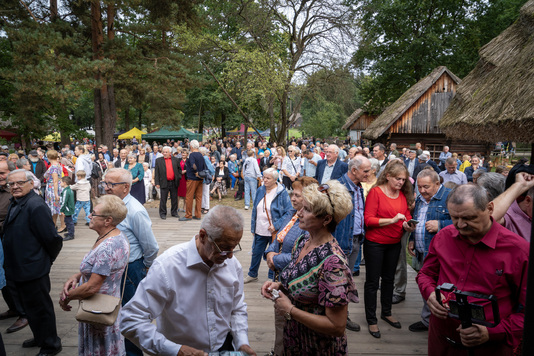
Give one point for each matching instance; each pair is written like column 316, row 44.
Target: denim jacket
column 280, row 207
column 437, row 210
column 345, row 228
column 282, row 260
column 2, row 274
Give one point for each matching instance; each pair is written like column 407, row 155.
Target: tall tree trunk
column 223, row 121
column 127, row 118
column 98, row 115
column 111, row 121
column 283, row 114
column 53, row 10
column 97, row 38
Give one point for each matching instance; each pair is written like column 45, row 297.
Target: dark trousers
column 70, row 225
column 380, row 261
column 172, row 188
column 12, row 298
column 136, row 272
column 35, row 296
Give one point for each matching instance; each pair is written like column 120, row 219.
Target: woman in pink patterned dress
column 316, row 286
column 101, row 272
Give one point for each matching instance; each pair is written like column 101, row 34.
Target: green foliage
column 324, row 120
column 402, row 41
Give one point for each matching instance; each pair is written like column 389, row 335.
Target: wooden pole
column 528, row 326
column 233, row 102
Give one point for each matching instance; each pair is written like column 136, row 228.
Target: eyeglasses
column 20, row 183
column 324, row 189
column 110, row 185
column 93, row 215
column 225, row 253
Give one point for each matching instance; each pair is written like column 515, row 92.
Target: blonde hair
column 335, row 201
column 112, row 206
column 52, row 154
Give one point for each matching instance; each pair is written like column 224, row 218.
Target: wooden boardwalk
column 261, row 319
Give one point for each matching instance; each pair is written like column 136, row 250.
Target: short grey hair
column 423, row 157
column 375, row 165
column 28, row 174
column 469, row 192
column 131, row 155
column 494, row 183
column 272, row 172
column 203, row 150
column 336, row 147
column 194, row 144
column 166, row 148
column 430, row 173
column 21, row 162
column 219, row 218
column 124, row 174
column 356, row 162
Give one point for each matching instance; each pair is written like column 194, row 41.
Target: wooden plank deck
column 261, row 319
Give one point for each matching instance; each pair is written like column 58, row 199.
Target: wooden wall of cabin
column 423, row 116
column 434, row 143
column 363, row 122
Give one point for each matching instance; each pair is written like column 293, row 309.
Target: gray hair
column 469, row 192
column 272, row 172
column 166, row 148
column 356, row 162
column 203, row 150
column 21, row 162
column 494, row 183
column 219, row 218
column 336, row 147
column 194, row 144
column 430, row 173
column 10, row 165
column 423, row 157
column 28, row 174
column 375, row 165
column 131, row 155
column 113, row 206
column 124, row 174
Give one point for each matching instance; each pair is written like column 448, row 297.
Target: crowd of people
column 319, row 212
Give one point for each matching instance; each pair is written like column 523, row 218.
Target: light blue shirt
column 138, row 228
column 457, row 177
column 310, row 168
column 420, row 227
column 328, row 172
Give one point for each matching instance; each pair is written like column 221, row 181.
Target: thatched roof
column 496, row 100
column 395, row 110
column 352, row 119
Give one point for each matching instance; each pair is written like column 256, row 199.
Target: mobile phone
column 413, row 222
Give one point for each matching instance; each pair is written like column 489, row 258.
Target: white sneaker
column 246, row 207
column 249, row 279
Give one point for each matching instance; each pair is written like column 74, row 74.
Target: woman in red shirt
column 387, row 210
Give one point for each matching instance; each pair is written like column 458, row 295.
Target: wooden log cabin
column 357, row 123
column 414, row 117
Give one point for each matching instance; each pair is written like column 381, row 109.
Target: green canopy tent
column 167, row 134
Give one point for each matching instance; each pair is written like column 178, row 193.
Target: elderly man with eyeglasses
column 138, row 228
column 194, row 290
column 31, row 244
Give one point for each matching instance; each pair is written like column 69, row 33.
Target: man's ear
column 202, row 235
column 490, row 207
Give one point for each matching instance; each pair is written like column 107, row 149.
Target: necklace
column 106, row 234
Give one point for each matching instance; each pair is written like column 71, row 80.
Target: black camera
column 468, row 313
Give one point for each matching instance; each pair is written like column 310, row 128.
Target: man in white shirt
column 310, row 163
column 194, row 290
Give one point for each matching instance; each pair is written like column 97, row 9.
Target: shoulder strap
column 125, row 273
column 265, row 207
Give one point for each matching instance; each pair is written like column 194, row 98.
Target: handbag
column 273, row 234
column 101, row 309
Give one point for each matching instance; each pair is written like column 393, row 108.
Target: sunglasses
column 324, row 189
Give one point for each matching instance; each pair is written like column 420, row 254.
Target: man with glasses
column 31, row 244
column 331, row 167
column 138, row 228
column 194, row 290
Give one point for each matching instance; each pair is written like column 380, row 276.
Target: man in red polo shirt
column 477, row 255
column 167, row 177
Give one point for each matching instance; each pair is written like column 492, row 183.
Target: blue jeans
column 233, row 179
column 86, row 205
column 136, row 272
column 70, row 225
column 258, row 248
column 251, row 185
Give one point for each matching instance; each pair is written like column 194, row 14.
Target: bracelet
column 290, row 310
